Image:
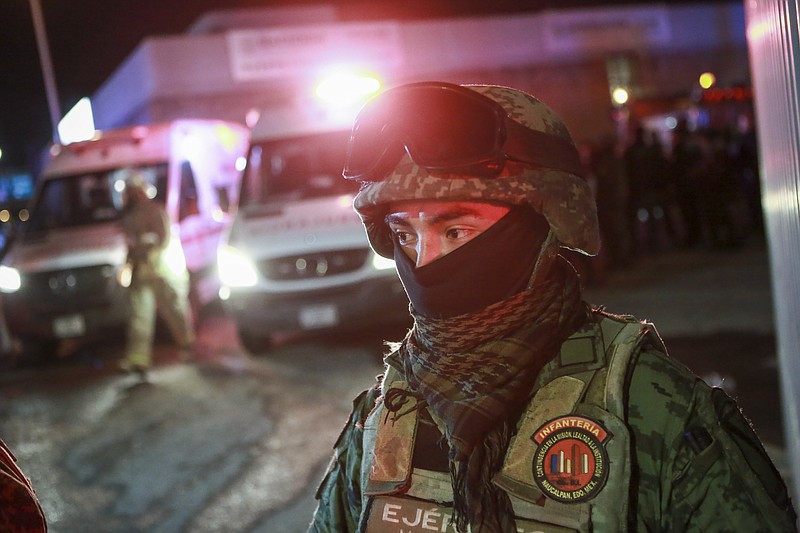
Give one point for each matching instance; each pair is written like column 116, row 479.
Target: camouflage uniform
column 686, row 459
column 695, row 463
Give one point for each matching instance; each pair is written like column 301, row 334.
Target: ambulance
column 296, row 259
column 62, row 276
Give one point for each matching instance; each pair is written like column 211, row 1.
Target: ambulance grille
column 318, row 265
column 73, row 288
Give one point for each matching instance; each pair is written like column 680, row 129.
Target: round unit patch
column 571, row 463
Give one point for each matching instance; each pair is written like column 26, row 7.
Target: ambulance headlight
column 10, row 280
column 381, row 263
column 235, row 268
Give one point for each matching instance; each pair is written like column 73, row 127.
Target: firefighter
column 159, row 280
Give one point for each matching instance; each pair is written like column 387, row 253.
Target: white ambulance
column 60, row 277
column 297, row 259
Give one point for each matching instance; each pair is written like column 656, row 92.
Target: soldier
column 159, row 280
column 513, row 405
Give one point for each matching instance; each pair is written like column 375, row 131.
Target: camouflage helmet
column 565, row 199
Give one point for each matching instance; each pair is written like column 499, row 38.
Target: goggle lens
column 437, row 127
column 445, row 127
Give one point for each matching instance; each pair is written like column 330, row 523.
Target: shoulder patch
column 571, row 461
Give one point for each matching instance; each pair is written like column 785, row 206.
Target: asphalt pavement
column 714, row 311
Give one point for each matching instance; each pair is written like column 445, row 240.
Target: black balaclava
column 493, row 266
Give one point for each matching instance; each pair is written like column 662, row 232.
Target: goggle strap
column 541, row 149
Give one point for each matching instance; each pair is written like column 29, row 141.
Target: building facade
column 227, row 65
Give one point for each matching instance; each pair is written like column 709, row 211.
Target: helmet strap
column 547, row 253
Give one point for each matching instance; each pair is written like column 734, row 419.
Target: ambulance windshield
column 88, row 198
column 295, row 169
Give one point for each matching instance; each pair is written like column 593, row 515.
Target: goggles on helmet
column 446, row 127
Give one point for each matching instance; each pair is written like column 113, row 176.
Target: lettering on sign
column 269, row 53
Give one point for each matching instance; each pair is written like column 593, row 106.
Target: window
column 88, row 198
column 298, row 168
column 189, row 200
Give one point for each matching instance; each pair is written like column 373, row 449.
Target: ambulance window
column 52, row 208
column 78, row 200
column 189, row 200
column 297, row 168
column 97, row 198
column 155, row 174
column 223, row 199
column 161, row 178
column 251, row 187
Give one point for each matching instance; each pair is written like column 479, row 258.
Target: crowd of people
column 695, row 188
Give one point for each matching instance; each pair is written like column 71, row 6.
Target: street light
column 47, row 66
column 620, row 96
column 707, row 80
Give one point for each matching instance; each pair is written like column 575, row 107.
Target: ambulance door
column 201, row 227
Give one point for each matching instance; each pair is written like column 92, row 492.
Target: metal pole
column 47, row 67
column 773, row 36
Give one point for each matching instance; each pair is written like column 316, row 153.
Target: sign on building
column 264, row 54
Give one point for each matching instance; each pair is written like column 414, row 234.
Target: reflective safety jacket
column 617, row 437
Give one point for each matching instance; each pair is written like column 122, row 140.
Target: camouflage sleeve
column 339, row 493
column 698, row 466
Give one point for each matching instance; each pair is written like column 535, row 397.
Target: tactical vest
column 567, row 468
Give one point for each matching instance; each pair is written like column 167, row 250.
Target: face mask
column 493, row 266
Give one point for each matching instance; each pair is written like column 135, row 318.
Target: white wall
column 194, row 74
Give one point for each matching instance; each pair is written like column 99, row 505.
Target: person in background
column 646, row 167
column 608, row 165
column 746, row 157
column 512, row 404
column 20, row 510
column 686, row 168
column 159, row 280
column 720, row 190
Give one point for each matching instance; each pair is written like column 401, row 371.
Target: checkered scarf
column 476, row 372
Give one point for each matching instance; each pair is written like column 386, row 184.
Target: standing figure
column 687, row 163
column 646, row 168
column 612, row 201
column 639, row 171
column 159, row 280
column 512, row 404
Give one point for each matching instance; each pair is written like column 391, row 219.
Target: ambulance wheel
column 255, row 343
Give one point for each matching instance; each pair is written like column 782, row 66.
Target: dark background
column 88, row 39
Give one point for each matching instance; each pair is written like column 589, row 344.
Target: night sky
column 90, row 38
